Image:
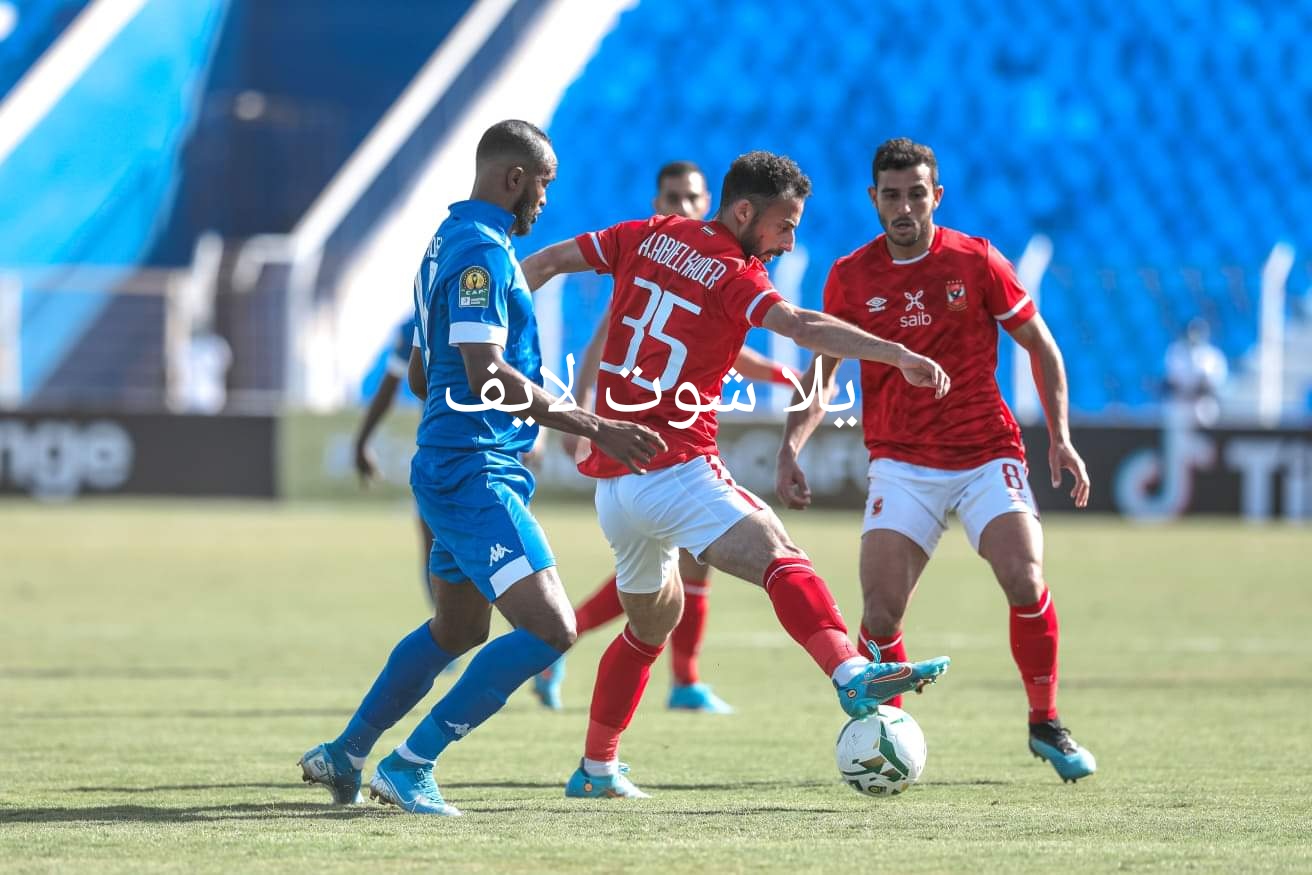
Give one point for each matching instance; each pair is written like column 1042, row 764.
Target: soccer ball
column 883, row 754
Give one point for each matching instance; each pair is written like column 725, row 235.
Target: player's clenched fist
column 921, row 371
column 628, row 443
column 790, row 483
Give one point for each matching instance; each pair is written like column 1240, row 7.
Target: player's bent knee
column 457, row 641
column 880, row 622
column 558, row 633
column 654, row 629
column 1022, row 582
column 561, row 640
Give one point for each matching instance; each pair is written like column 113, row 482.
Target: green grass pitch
column 163, row 665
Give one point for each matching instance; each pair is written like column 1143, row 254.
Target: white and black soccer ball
column 883, row 754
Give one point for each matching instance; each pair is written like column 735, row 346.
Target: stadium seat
column 1048, row 117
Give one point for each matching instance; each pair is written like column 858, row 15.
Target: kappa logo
column 498, row 553
column 460, row 729
column 877, row 304
column 956, row 292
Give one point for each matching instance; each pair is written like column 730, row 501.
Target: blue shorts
column 476, row 506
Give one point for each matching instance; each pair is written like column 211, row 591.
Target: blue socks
column 493, row 674
column 404, row 681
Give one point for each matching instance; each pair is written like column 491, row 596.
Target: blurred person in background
column 205, row 372
column 366, row 463
column 680, row 191
column 1195, row 373
column 944, row 294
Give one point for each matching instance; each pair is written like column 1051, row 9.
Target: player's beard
column 525, row 209
column 751, row 243
column 905, row 236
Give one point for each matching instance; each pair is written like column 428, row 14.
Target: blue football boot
column 697, row 697
column 882, row 681
column 327, row 764
column 584, row 786
column 546, row 684
column 1052, row 742
column 409, row 786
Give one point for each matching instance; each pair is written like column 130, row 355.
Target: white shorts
column 647, row 518
column 915, row 500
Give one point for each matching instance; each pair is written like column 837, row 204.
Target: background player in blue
column 401, row 342
column 476, row 328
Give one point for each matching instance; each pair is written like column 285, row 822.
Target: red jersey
column 946, row 305
column 685, row 296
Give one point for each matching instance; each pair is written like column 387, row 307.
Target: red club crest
column 956, row 291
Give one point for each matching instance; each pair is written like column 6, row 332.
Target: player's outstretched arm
column 416, row 376
column 630, row 444
column 585, row 381
column 790, row 481
column 365, row 465
column 754, row 366
column 558, row 258
column 831, row 336
column 1050, row 379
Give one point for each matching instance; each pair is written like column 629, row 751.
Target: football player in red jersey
column 686, row 292
column 680, row 191
column 943, row 294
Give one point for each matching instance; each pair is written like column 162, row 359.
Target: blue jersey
column 470, row 289
column 398, row 351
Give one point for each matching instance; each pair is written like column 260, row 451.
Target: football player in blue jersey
column 477, row 364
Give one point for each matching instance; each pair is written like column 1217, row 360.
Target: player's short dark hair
column 514, row 140
column 761, row 177
column 677, row 168
column 900, row 153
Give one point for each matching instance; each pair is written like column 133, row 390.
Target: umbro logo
column 498, row 553
column 876, row 304
column 460, row 729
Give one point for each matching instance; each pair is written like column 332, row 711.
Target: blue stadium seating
column 179, row 166
column 1161, row 146
column 87, row 183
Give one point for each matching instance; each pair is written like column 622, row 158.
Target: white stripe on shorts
column 507, row 574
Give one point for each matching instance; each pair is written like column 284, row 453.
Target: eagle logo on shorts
column 474, row 284
column 956, row 291
column 877, row 506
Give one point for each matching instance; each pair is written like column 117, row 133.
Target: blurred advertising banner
column 1149, row 473
column 316, row 455
column 1165, row 472
column 63, row 455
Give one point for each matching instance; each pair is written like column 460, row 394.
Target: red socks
column 600, row 608
column 891, row 649
column 685, row 644
column 686, row 640
column 806, row 610
column 1034, row 647
column 622, row 676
